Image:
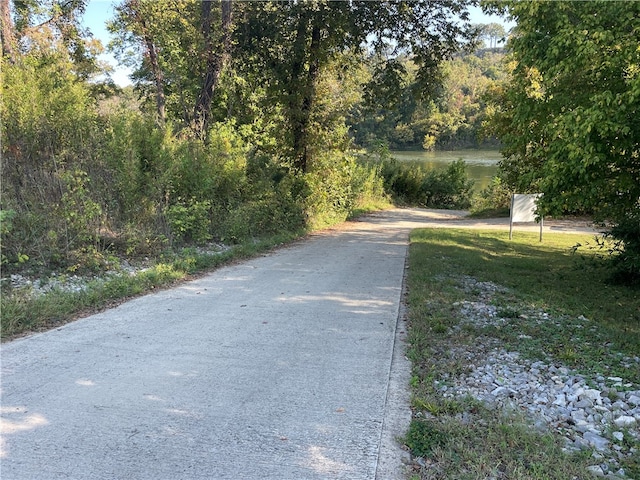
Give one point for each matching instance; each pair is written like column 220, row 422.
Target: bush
column 626, row 249
column 412, row 184
column 50, row 138
column 449, row 188
column 190, row 221
column 273, row 213
column 493, row 200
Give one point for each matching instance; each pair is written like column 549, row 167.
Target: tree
column 569, row 117
column 450, row 119
column 281, row 48
column 7, row 32
column 136, row 14
column 217, row 52
column 569, row 121
column 46, row 26
column 292, row 42
column 494, row 33
column 180, row 48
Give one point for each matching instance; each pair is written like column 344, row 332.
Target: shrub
column 496, row 198
column 448, row 188
column 412, row 184
column 190, row 221
column 626, row 248
column 274, row 213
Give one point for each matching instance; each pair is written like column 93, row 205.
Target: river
column 482, row 165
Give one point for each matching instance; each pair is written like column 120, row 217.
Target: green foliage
column 423, row 438
column 190, row 220
column 449, row 188
column 81, row 215
column 568, row 115
column 412, row 184
column 335, row 186
column 292, row 45
column 493, row 200
column 6, row 219
column 48, row 144
column 450, row 119
column 6, row 225
column 626, row 250
column 270, row 215
column 89, row 175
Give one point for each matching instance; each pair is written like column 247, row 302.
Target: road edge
column 393, row 458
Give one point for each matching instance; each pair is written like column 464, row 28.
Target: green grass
column 593, row 328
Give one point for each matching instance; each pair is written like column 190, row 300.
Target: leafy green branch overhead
column 569, row 117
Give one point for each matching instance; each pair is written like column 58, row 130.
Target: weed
column 423, row 437
column 508, row 312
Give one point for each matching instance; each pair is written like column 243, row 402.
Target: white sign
column 523, row 209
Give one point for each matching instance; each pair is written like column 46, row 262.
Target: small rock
column 595, row 440
column 596, row 470
column 500, row 391
column 593, row 395
column 625, row 421
column 583, row 403
column 560, row 400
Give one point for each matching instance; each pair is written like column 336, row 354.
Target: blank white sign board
column 523, row 209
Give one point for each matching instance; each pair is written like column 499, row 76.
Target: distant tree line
column 451, row 118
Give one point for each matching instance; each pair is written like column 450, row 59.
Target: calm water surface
column 482, row 165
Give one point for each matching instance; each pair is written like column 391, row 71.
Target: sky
column 98, row 12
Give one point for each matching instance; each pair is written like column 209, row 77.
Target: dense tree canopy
column 569, row 117
column 284, row 48
column 451, row 118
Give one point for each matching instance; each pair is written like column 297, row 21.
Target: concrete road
column 287, row 366
column 275, row 368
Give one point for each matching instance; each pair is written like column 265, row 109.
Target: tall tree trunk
column 158, row 76
column 7, row 32
column 133, row 8
column 217, row 55
column 303, row 99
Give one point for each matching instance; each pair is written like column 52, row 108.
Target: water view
column 482, row 165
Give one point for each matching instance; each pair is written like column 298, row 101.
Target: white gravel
column 36, row 285
column 591, row 411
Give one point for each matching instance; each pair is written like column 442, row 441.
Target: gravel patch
column 65, row 282
column 591, row 412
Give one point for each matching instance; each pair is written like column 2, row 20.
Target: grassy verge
column 22, row 312
column 593, row 328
